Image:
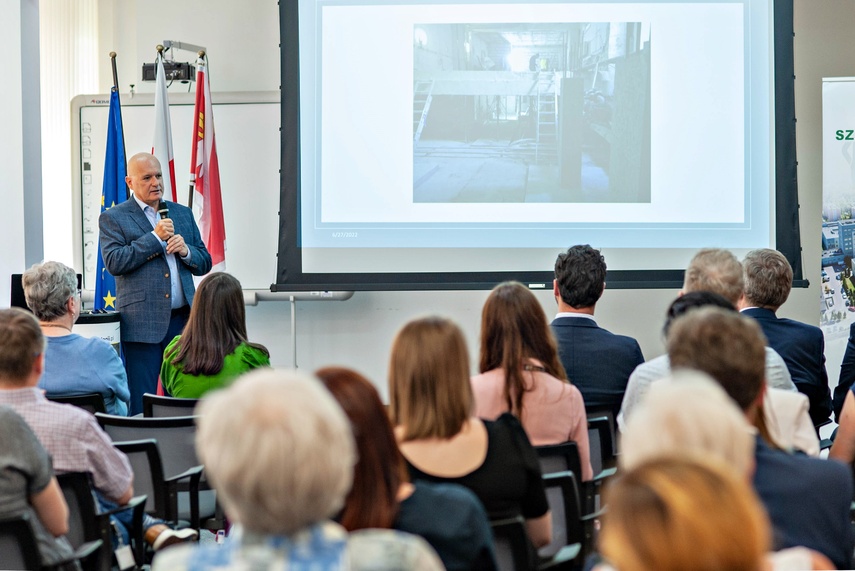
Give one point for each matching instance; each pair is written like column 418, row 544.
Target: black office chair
column 19, row 548
column 573, row 534
column 601, row 444
column 193, row 501
column 155, row 406
column 564, row 457
column 513, row 548
column 90, row 402
column 567, row 534
column 87, row 523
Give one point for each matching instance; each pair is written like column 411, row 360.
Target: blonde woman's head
column 675, row 513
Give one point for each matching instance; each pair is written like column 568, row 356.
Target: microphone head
column 162, row 209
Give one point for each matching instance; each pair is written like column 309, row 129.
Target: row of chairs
column 574, row 504
column 154, row 406
column 167, row 476
column 171, row 480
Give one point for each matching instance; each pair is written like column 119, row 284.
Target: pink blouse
column 553, row 410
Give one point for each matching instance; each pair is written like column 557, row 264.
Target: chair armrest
column 132, row 503
column 566, row 558
column 83, row 552
column 195, row 476
column 193, row 473
column 593, row 516
column 604, row 475
column 87, row 549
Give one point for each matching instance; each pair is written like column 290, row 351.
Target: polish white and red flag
column 205, row 172
column 162, row 147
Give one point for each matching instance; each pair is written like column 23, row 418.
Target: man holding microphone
column 152, row 248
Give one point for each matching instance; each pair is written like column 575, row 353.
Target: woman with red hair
column 448, row 516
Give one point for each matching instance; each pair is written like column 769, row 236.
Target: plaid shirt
column 73, row 439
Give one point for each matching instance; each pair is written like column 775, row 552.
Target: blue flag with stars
column 113, row 192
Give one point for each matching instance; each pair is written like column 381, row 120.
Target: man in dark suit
column 807, row 499
column 598, row 362
column 768, row 280
column 153, row 260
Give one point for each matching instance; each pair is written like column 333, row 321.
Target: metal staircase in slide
column 546, row 149
column 421, row 105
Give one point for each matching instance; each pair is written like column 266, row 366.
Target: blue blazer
column 135, row 257
column 597, row 361
column 802, row 347
column 807, row 500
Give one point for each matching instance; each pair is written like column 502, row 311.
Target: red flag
column 162, row 147
column 205, row 172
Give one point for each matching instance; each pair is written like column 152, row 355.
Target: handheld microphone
column 163, row 210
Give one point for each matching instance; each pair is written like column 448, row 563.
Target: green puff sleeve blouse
column 176, row 383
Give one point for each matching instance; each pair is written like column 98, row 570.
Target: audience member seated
column 431, row 408
column 70, row 435
column 785, row 412
column 713, row 270
column 74, row 365
column 521, row 373
column 27, row 486
column 677, row 513
column 690, row 414
column 807, row 499
column 448, row 516
column 280, row 453
column 768, row 280
column 213, row 349
column 596, row 361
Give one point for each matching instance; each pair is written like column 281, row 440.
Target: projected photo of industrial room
column 514, row 113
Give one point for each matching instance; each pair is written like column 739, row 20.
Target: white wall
column 242, row 41
column 20, row 158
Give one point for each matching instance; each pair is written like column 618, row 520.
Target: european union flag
column 113, row 192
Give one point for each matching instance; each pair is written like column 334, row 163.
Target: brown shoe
column 161, row 535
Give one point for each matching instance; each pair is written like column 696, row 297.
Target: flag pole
column 116, row 89
column 201, row 56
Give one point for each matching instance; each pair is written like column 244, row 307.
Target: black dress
column 508, row 482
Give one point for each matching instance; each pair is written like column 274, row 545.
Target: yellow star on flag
column 109, row 300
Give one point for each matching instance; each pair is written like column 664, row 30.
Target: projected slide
column 541, row 112
column 491, row 135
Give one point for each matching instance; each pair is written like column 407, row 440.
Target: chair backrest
column 563, row 498
column 601, row 443
column 84, row 523
column 148, row 475
column 608, row 413
column 512, row 544
column 18, row 548
column 76, row 487
column 155, row 406
column 90, row 402
column 559, row 458
column 175, row 437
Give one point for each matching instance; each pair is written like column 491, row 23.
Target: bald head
column 145, row 178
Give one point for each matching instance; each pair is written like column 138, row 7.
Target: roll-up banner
column 837, row 284
column 837, row 305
